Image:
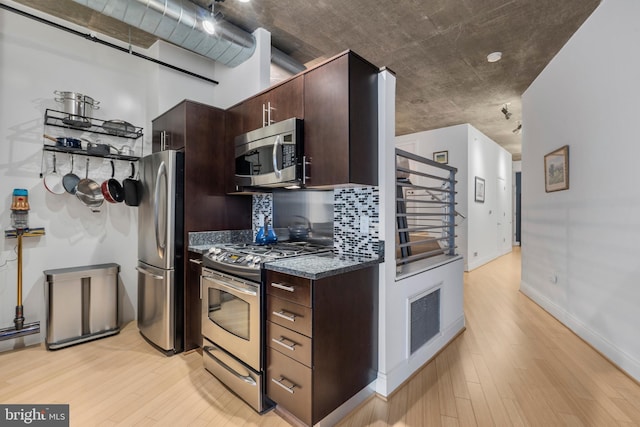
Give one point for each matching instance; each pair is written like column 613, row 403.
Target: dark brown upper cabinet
column 338, row 100
column 274, row 105
column 341, row 122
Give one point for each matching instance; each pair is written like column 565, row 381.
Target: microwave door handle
column 161, row 245
column 274, row 157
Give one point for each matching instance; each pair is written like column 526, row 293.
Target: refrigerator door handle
column 148, row 273
column 161, row 244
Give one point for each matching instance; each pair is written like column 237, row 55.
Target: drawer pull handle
column 284, row 315
column 195, row 261
column 291, row 346
column 287, row 388
column 283, row 287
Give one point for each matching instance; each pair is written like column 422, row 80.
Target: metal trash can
column 82, row 304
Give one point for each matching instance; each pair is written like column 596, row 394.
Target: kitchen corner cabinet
column 322, row 340
column 341, row 122
column 199, row 131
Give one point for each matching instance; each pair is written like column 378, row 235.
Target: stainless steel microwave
column 271, row 156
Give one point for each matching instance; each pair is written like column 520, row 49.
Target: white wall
column 588, row 237
column 473, row 154
column 491, row 162
column 395, row 364
column 36, row 60
column 248, row 78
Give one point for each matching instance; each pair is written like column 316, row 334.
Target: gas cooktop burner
column 246, row 259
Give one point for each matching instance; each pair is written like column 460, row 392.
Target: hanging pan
column 70, row 180
column 132, row 189
column 112, row 189
column 89, row 192
column 53, row 180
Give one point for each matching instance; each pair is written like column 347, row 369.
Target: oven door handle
column 246, row 379
column 231, row 286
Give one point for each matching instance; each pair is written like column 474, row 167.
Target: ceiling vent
column 180, row 22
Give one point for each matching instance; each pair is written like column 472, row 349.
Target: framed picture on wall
column 556, row 170
column 479, row 189
column 441, row 157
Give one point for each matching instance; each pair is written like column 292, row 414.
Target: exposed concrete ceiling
column 437, row 48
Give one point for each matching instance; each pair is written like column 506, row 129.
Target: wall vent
column 424, row 319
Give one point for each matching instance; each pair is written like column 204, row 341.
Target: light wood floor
column 514, row 365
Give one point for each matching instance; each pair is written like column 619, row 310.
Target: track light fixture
column 518, row 129
column 505, row 111
column 209, row 23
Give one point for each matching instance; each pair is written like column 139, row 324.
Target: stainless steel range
column 233, row 313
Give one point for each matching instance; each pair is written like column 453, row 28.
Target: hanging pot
column 53, row 180
column 70, row 180
column 112, row 190
column 132, row 189
column 89, row 192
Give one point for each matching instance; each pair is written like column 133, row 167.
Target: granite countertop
column 320, row 266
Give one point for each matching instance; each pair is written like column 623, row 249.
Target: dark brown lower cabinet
column 322, row 340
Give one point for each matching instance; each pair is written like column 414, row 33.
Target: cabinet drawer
column 290, row 315
column 289, row 343
column 289, row 385
column 291, row 288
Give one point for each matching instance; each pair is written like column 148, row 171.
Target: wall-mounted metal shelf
column 81, row 152
column 115, row 128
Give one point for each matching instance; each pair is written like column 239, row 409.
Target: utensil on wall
column 79, row 107
column 118, row 127
column 63, row 141
column 53, row 180
column 70, row 180
column 132, row 189
column 96, row 147
column 112, row 190
column 89, row 192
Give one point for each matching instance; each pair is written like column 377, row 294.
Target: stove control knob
column 256, row 260
column 212, row 249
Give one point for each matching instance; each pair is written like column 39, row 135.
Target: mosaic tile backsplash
column 356, row 221
column 262, row 205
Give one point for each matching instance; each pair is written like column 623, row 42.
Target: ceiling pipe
column 180, row 22
column 286, row 62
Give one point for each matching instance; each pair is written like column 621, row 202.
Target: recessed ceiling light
column 494, row 56
column 244, row 1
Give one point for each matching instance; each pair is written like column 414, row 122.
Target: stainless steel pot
column 79, row 107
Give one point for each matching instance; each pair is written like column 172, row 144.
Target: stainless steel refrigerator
column 160, row 250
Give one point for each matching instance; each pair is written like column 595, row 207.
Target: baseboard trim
column 623, row 361
column 391, row 381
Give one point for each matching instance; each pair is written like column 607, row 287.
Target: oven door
column 231, row 315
